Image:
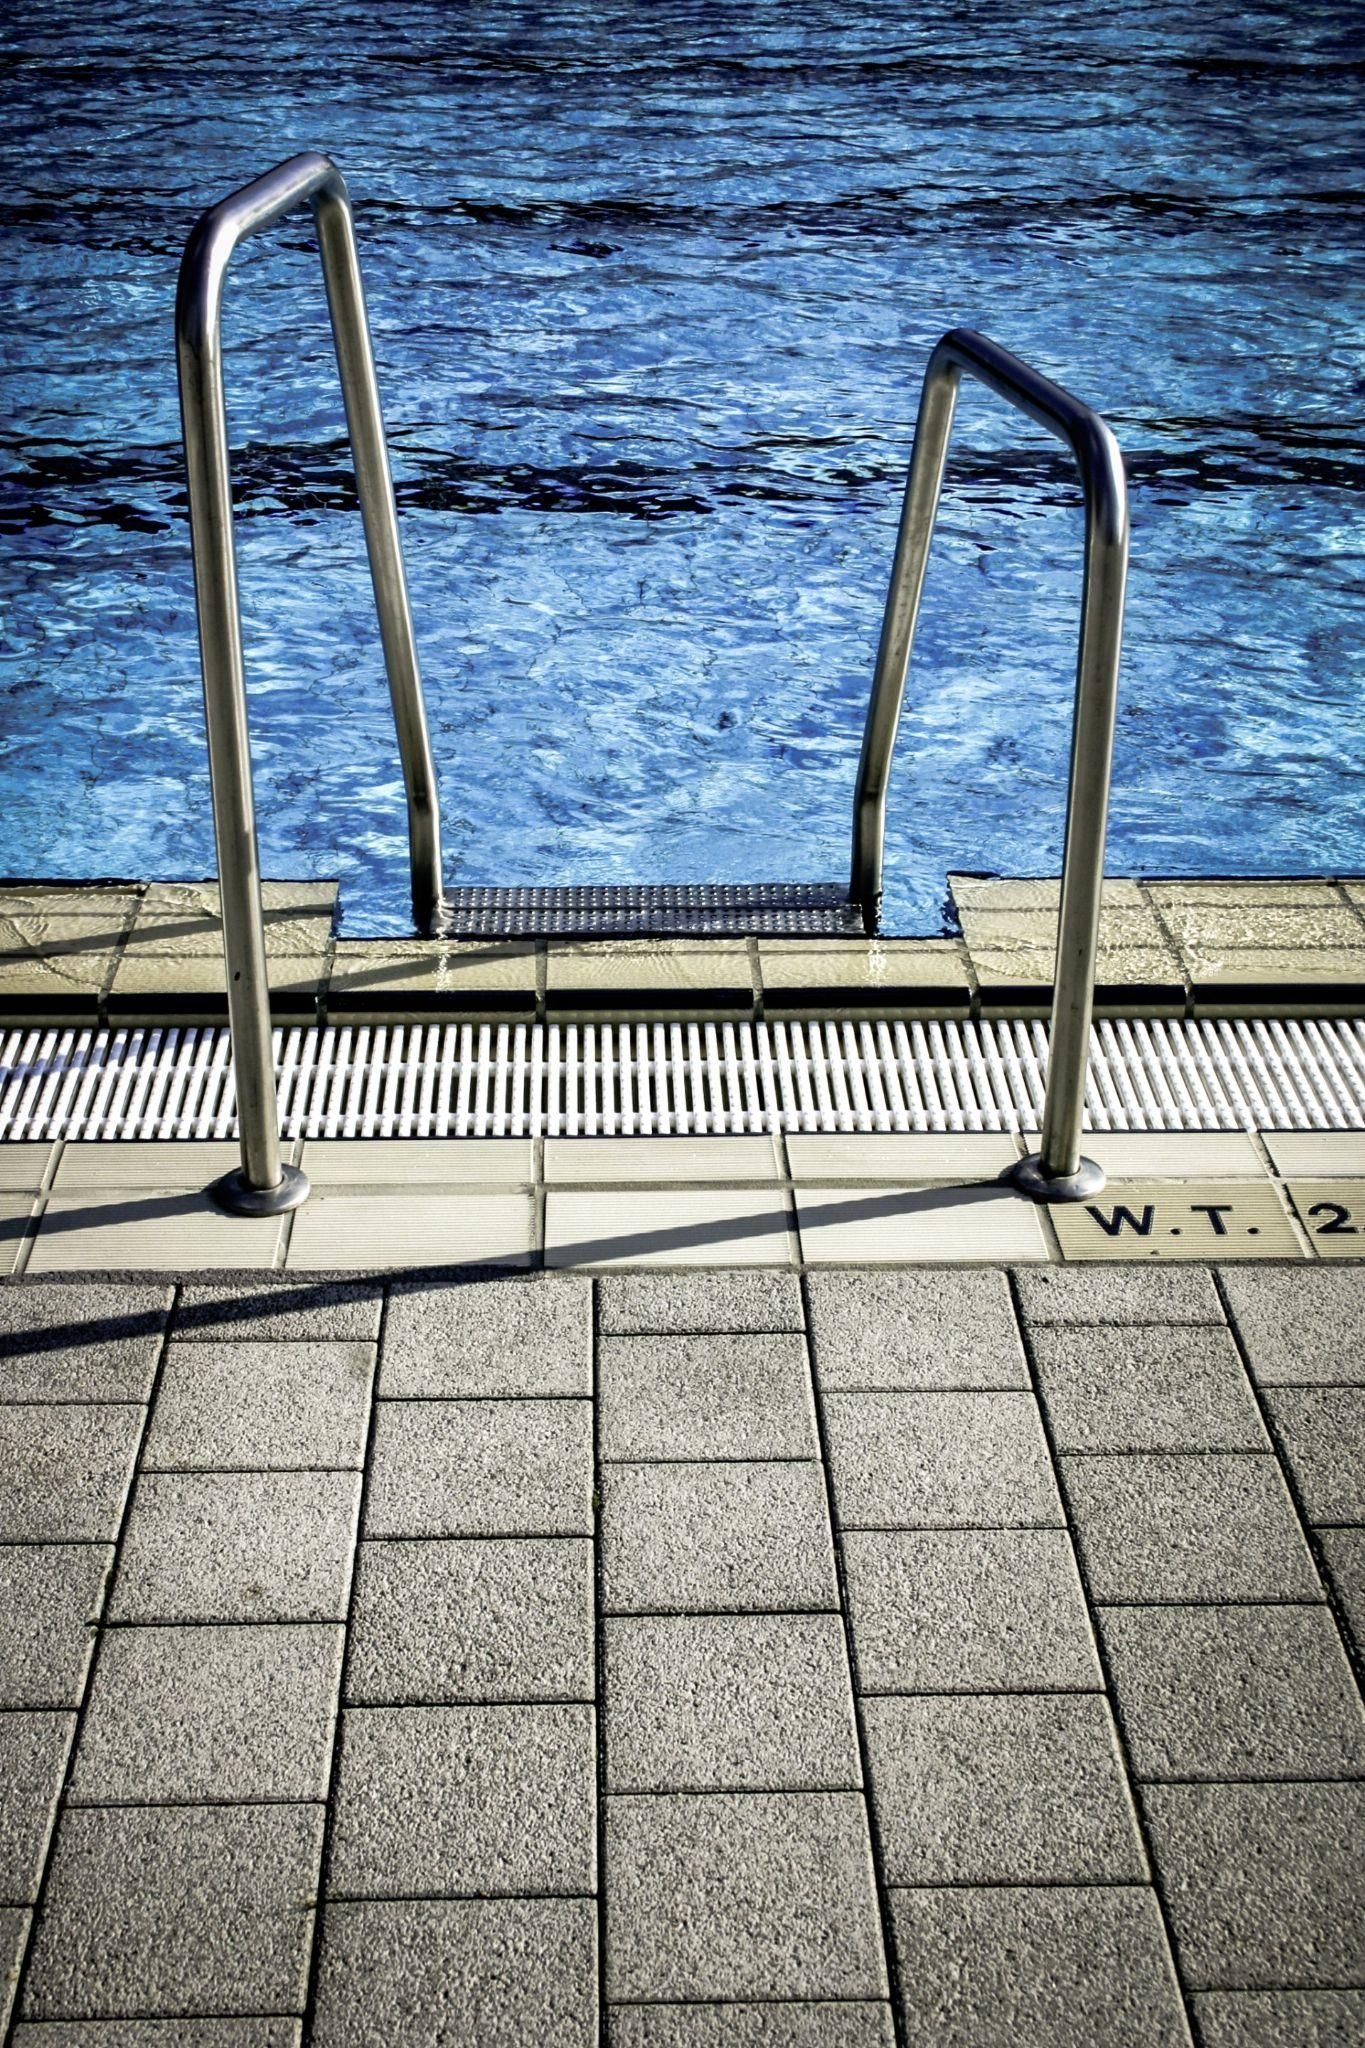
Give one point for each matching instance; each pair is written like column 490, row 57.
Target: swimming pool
column 652, row 289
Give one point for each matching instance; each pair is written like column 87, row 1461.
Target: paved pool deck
column 960, row 1655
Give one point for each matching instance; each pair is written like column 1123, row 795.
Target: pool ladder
column 265, row 1184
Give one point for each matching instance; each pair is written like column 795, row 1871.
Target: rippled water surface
column 652, row 289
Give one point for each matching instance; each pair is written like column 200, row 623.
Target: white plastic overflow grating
column 627, row 1080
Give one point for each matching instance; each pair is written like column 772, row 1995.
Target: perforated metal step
column 604, row 1080
column 662, row 910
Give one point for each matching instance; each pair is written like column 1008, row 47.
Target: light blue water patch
column 652, row 291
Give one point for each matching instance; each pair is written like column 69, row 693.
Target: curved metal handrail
column 1058, row 1172
column 263, row 1184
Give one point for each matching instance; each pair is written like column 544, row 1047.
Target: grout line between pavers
column 59, row 1807
column 343, row 1678
column 1132, row 1782
column 874, row 1831
column 1354, row 1651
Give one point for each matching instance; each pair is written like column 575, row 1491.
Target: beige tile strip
column 1204, row 1220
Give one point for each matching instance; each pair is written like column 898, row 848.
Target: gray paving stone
column 707, row 1304
column 467, row 1973
column 968, row 1610
column 1281, row 2019
column 209, row 1713
column 473, row 1619
column 715, row 1539
column 261, row 1407
column 187, row 1909
column 726, row 1703
column 923, row 1327
column 481, row 1468
column 32, row 1760
column 1049, row 1965
column 744, row 1895
column 1198, row 1527
column 453, row 1339
column 1322, row 1433
column 848, row 2025
column 64, row 1472
column 1344, row 1550
column 1234, row 1692
column 706, row 1397
column 262, row 2033
column 1264, row 1884
column 51, row 1595
column 481, row 1801
column 281, row 1309
column 1001, row 1789
column 238, row 1546
column 93, row 1342
column 1135, row 1389
column 1301, row 1327
column 1118, row 1294
column 947, row 1460
column 14, row 1922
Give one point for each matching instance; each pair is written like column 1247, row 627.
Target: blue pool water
column 652, row 288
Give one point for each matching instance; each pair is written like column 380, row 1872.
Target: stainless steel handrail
column 264, row 1185
column 1057, row 1172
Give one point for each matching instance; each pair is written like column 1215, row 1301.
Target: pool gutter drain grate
column 683, row 1079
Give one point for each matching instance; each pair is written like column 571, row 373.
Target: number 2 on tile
column 1338, row 1222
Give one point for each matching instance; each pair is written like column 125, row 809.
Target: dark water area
column 652, row 289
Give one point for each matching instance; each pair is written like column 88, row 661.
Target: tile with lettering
column 1333, row 1214
column 1187, row 1219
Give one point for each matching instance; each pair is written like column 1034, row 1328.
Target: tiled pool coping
column 804, row 1202
column 112, row 953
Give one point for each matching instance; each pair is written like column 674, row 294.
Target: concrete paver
column 481, row 1468
column 1234, row 1692
column 481, row 1973
column 939, row 1460
column 1050, row 1965
column 238, row 1546
column 64, row 1471
column 452, row 1339
column 915, row 1330
column 246, row 1406
column 88, row 1343
column 741, row 1895
column 850, row 2024
column 176, row 1909
column 33, row 1749
column 1322, row 1433
column 51, row 1595
column 715, row 1303
column 968, row 1610
column 1299, row 1329
column 715, row 1538
column 1203, row 1526
column 1119, row 1294
column 217, row 2033
column 198, row 1714
column 471, row 1619
column 276, row 1309
column 724, row 1703
column 1344, row 1550
column 483, row 1801
column 1147, row 1389
column 666, row 1397
column 1022, row 1788
column 1264, row 1883
column 1271, row 2019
